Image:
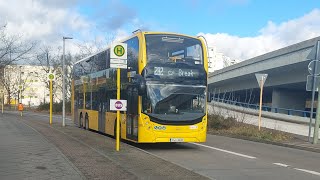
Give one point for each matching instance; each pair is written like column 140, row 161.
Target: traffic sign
column 121, row 66
column 51, row 76
column 314, row 67
column 261, row 78
column 20, row 87
column 309, row 83
column 118, row 51
column 118, row 105
column 84, row 79
column 118, row 61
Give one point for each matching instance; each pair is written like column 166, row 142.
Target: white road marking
column 280, row 164
column 169, row 160
column 308, row 171
column 226, row 151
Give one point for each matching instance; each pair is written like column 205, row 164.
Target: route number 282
column 158, row 71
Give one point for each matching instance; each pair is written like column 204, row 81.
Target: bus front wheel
column 80, row 121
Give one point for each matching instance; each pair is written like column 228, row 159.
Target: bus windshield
column 169, row 100
column 171, row 48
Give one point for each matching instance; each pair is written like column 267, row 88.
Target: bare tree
column 49, row 61
column 11, row 81
column 13, row 48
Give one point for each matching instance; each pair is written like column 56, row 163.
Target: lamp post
column 63, row 83
column 19, row 96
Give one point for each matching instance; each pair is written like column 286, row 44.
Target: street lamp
column 63, row 84
column 20, row 86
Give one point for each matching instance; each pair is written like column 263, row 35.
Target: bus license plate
column 176, row 139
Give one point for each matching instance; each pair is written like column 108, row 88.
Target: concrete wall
column 286, row 98
column 289, row 55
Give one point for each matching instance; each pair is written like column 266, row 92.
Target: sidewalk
column 95, row 156
column 25, row 154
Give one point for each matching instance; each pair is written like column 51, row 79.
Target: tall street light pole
column 63, row 84
column 19, row 94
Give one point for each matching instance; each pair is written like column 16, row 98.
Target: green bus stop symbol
column 119, row 50
column 20, row 87
column 51, row 76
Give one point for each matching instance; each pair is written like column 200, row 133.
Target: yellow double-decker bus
column 165, row 86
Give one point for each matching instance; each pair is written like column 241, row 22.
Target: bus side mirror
column 140, row 83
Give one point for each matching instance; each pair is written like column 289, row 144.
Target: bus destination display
column 169, row 72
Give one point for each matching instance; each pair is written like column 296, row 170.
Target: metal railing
column 295, row 112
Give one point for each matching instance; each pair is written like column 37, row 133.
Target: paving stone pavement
column 25, row 154
column 94, row 154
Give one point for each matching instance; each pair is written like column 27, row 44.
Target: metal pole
column 316, row 123
column 19, row 95
column 63, row 84
column 63, row 87
column 312, row 100
column 2, row 102
column 50, row 101
column 260, row 109
column 118, row 112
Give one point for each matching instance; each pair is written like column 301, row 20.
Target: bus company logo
column 118, row 105
column 160, row 127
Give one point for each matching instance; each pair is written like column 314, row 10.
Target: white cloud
column 271, row 37
column 41, row 21
column 47, row 21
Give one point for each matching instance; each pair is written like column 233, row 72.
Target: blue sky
column 236, row 17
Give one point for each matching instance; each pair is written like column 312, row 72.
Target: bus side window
column 133, row 53
column 110, row 95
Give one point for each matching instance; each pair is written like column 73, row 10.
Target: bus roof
column 135, row 34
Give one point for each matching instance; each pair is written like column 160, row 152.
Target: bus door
column 102, row 104
column 77, row 106
column 132, row 113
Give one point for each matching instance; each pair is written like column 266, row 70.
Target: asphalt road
column 229, row 158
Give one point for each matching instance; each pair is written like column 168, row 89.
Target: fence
column 301, row 113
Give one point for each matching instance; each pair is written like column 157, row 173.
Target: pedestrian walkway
column 91, row 153
column 25, row 154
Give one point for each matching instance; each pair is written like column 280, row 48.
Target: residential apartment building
column 218, row 60
column 28, row 84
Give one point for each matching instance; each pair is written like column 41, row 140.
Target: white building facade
column 218, row 60
column 28, row 85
